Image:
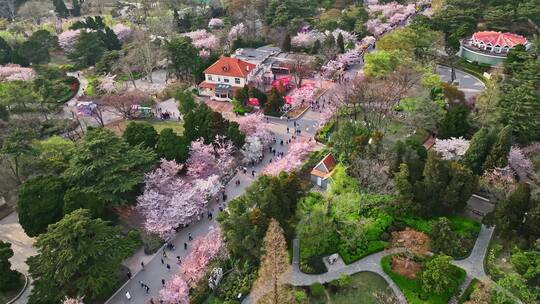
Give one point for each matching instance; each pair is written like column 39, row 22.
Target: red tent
column 288, row 99
column 284, row 82
column 253, row 102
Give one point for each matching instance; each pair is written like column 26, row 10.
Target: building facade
column 490, row 47
column 224, row 77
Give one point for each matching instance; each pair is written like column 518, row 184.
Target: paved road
column 154, row 271
column 469, row 84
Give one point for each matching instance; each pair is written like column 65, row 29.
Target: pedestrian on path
column 142, row 284
column 178, row 260
column 168, row 267
column 128, row 295
column 253, row 173
column 147, row 289
column 142, row 265
column 129, row 275
column 163, row 282
column 185, row 246
column 190, row 238
column 162, row 261
column 164, row 253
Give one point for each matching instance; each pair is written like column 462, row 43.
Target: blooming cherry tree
column 11, row 72
column 176, row 291
column 519, row 162
column 108, row 84
column 306, row 39
column 202, row 159
column 303, row 95
column 78, row 300
column 347, row 37
column 122, row 31
column 237, row 31
column 452, row 148
column 68, row 39
column 298, row 152
column 215, row 23
column 224, row 149
column 252, row 150
column 249, row 124
column 204, row 250
column 203, row 40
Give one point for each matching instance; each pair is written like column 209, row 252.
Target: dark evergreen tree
column 6, row 53
column 340, row 43
column 76, row 8
column 242, row 95
column 233, row 134
column 141, row 133
column 261, row 97
column 316, row 47
column 498, row 155
column 510, row 212
column 9, row 279
column 478, row 150
column 274, row 103
column 455, row 122
column 286, row 45
column 60, row 8
column 172, row 146
column 442, row 238
column 88, row 49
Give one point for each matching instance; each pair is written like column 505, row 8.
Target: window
column 210, row 77
column 219, row 79
column 226, row 80
column 237, row 80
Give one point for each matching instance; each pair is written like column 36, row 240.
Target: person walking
column 164, row 253
column 168, row 267
column 142, row 265
column 163, row 282
column 185, row 246
column 190, row 238
column 129, row 275
column 162, row 261
column 178, row 260
column 128, row 295
column 142, row 284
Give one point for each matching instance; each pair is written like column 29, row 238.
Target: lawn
column 412, row 289
column 119, row 126
column 359, row 291
column 8, row 295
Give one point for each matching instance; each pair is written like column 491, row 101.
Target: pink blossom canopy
column 11, row 72
column 298, row 152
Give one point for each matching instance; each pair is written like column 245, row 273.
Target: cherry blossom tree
column 299, row 150
column 249, row 124
column 236, row 32
column 347, row 37
column 108, row 84
column 204, row 53
column 307, row 39
column 303, row 95
column 68, row 39
column 377, row 27
column 204, row 250
column 202, row 159
column 170, row 200
column 452, row 148
column 122, row 31
column 176, row 291
column 215, row 23
column 252, row 150
column 11, row 72
column 518, row 161
column 78, row 300
column 203, row 40
column 225, row 161
column 122, row 103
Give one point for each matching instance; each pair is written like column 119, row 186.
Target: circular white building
column 490, row 47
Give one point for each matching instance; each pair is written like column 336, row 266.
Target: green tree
column 442, row 238
column 233, row 134
column 141, row 133
column 519, row 107
column 516, row 60
column 76, row 199
column 9, row 279
column 316, row 47
column 186, row 101
column 317, row 233
column 286, row 45
column 340, row 43
column 184, row 58
column 16, row 149
column 40, row 203
column 78, row 256
column 439, row 276
column 76, row 8
column 6, row 53
column 379, row 64
column 242, row 95
column 36, row 48
column 498, row 155
column 245, row 224
column 478, row 150
column 261, row 97
column 107, row 61
column 60, row 8
column 110, row 39
column 510, row 212
column 88, row 49
column 172, row 146
column 53, row 154
column 455, row 123
column 446, row 186
column 274, row 103
column 105, row 164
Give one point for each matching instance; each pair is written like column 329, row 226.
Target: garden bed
column 412, row 288
column 357, row 288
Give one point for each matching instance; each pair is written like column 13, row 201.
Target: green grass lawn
column 412, row 289
column 8, row 295
column 159, row 125
column 360, row 290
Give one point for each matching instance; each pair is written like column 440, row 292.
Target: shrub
column 300, row 296
column 313, row 265
column 316, row 290
column 152, row 243
column 344, row 281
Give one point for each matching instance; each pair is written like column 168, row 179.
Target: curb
column 20, row 292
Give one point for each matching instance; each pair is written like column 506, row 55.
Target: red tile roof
column 207, row 85
column 232, row 67
column 501, row 39
column 329, row 162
